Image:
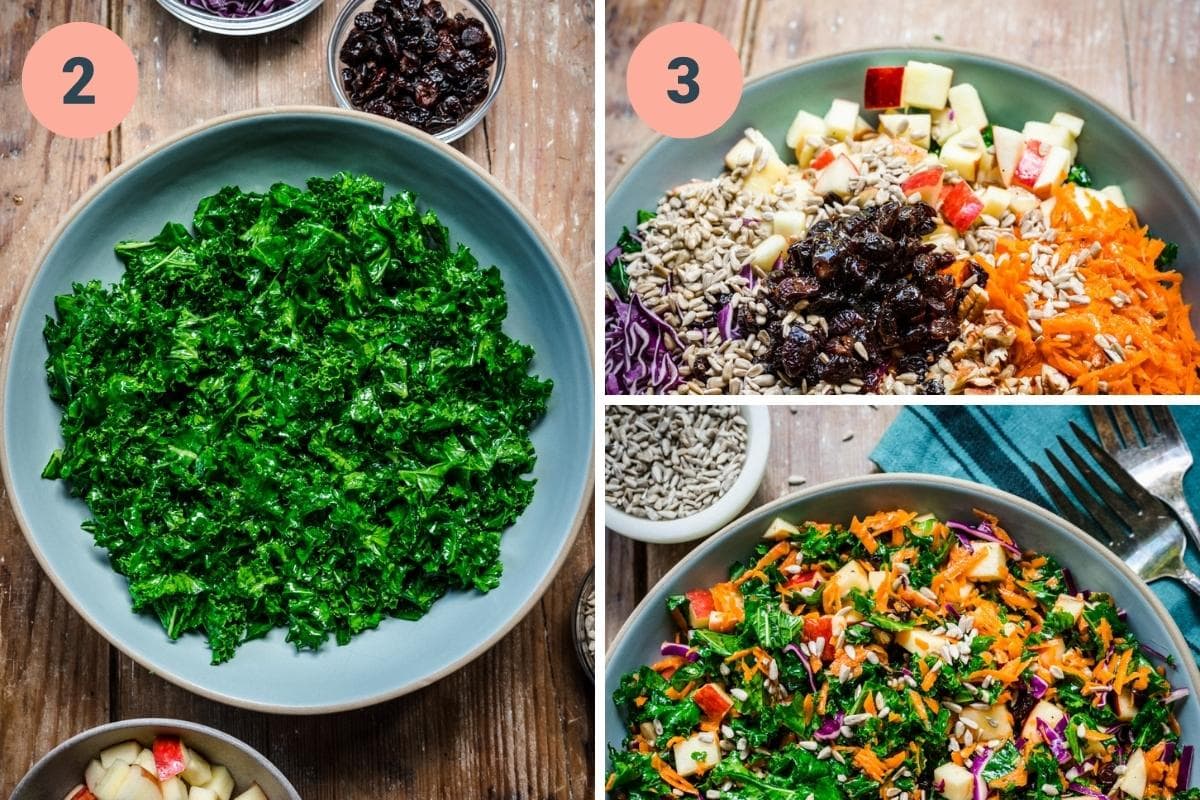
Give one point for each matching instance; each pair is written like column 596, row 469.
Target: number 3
column 687, row 79
column 86, row 71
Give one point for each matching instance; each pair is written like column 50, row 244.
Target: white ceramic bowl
column 720, row 513
column 241, row 26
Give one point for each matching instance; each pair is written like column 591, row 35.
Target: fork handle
column 1182, row 510
column 1190, row 579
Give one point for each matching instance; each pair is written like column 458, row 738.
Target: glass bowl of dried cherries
column 436, row 65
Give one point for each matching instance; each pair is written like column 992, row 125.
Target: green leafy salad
column 303, row 413
column 900, row 657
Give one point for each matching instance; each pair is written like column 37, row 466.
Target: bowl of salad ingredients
column 154, row 759
column 679, row 472
column 901, row 636
column 320, row 404
column 240, row 17
column 904, row 221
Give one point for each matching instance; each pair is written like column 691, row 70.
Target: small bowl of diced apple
column 154, row 759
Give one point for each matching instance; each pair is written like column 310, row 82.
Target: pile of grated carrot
column 1152, row 330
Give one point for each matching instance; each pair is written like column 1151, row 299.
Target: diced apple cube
column 145, row 760
column 125, row 751
column 200, row 793
column 962, row 152
column 862, row 128
column 692, row 754
column 968, row 109
column 1115, row 194
column 1045, row 711
column 1068, row 121
column 945, row 124
column 1126, row 705
column 1029, row 168
column 221, row 783
column 713, row 701
column 957, row 783
column 1054, row 171
column 925, row 85
column 113, row 778
column 792, row 224
column 1048, row 134
column 255, row 792
column 197, row 772
column 174, row 789
column 991, row 723
column 911, row 127
column 768, row 252
column 995, row 201
column 169, row 757
column 841, row 118
column 742, row 153
column 765, row 179
column 93, row 774
column 79, row 792
column 883, row 87
column 1068, row 604
column 804, row 125
column 875, row 579
column 1023, row 201
column 960, row 206
column 1133, row 782
column 921, row 641
column 700, row 605
column 140, row 785
column 942, row 236
column 993, row 567
column 835, row 178
column 850, row 577
column 926, row 182
column 780, row 529
column 1009, row 146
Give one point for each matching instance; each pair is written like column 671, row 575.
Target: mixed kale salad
column 901, row 658
column 302, row 413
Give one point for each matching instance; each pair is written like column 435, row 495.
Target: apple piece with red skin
column 881, row 88
column 823, row 159
column 926, row 182
column 700, row 605
column 836, row 178
column 801, row 580
column 960, row 206
column 1029, row 168
column 169, row 757
column 713, row 701
column 821, row 628
column 80, row 792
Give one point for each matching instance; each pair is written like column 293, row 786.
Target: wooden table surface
column 815, row 443
column 1142, row 57
column 516, row 722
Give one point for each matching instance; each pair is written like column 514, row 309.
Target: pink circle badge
column 79, row 80
column 684, row 80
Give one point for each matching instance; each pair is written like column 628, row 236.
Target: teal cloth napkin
column 994, row 445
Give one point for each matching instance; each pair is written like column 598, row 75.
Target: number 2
column 687, row 79
column 86, row 71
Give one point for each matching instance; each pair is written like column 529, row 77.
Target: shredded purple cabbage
column 981, row 531
column 980, row 789
column 1185, row 767
column 612, row 255
column 1177, row 694
column 1079, row 788
column 1037, row 687
column 725, row 325
column 830, row 728
column 792, row 648
column 636, row 359
column 747, row 272
column 239, row 8
column 1055, row 740
column 677, row 649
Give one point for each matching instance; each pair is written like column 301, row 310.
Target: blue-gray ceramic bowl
column 1092, row 565
column 60, row 769
column 1113, row 150
column 254, row 150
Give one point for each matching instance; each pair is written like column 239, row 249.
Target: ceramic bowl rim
column 20, row 307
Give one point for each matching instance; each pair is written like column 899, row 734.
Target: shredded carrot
column 1005, row 675
column 1136, row 308
column 679, row 694
column 673, row 778
column 808, row 708
column 929, row 680
column 918, row 705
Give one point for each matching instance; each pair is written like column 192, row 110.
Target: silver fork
column 1146, row 441
column 1138, row 526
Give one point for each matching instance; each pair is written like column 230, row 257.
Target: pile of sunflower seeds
column 668, row 462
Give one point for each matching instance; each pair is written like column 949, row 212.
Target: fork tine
column 1102, row 517
column 1125, row 425
column 1116, row 503
column 1105, row 428
column 1119, row 475
column 1166, row 423
column 1065, row 507
column 1144, row 423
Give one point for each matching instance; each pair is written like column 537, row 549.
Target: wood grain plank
column 1164, row 77
column 54, row 671
column 627, row 23
column 816, row 443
